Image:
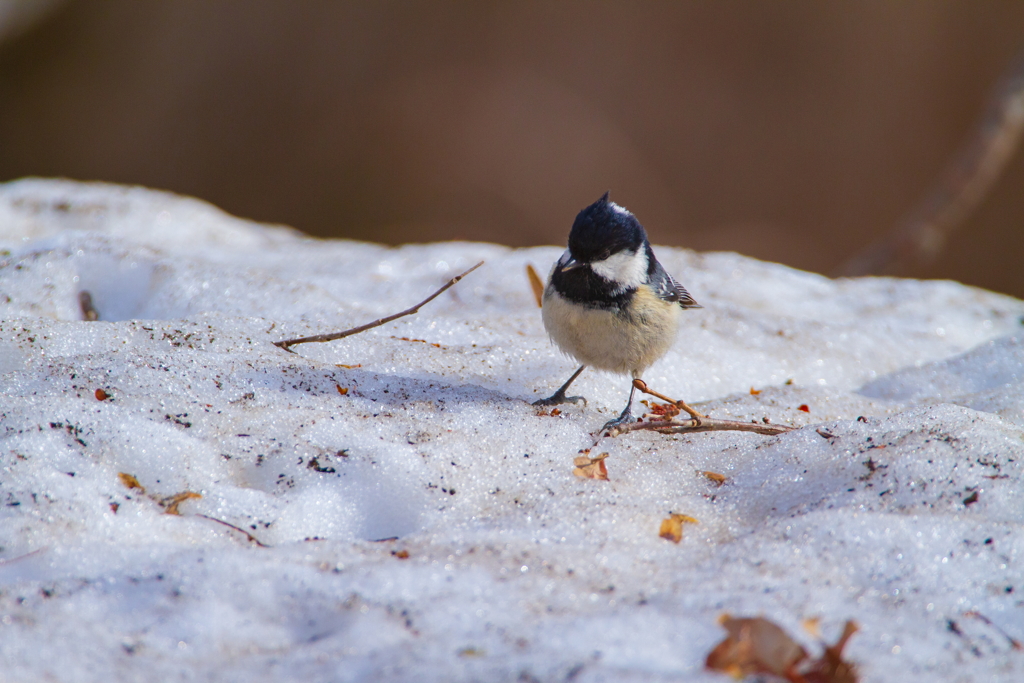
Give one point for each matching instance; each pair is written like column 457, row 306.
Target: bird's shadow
column 393, row 390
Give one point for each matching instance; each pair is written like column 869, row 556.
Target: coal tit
column 608, row 302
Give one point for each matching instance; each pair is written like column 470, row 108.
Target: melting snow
column 420, row 519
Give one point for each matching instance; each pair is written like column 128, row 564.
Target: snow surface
column 905, row 515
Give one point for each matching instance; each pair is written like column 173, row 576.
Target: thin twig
column 1014, row 643
column 697, row 423
column 703, row 424
column 12, row 560
column 376, row 323
column 919, row 237
column 252, row 538
column 642, row 386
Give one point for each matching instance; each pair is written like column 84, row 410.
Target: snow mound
column 390, row 506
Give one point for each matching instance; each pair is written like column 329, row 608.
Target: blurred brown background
column 793, row 131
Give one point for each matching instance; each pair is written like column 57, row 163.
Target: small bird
column 608, row 302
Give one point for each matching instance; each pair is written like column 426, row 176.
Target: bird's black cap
column 603, row 229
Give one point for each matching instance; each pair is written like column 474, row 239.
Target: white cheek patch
column 627, row 269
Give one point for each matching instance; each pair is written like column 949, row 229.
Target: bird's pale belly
column 616, row 342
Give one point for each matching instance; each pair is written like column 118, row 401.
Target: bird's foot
column 559, row 398
column 625, row 418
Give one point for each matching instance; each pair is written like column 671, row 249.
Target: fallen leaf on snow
column 536, row 284
column 758, row 646
column 672, row 527
column 719, row 479
column 755, row 646
column 831, row 667
column 813, row 626
column 662, row 411
column 130, row 481
column 591, row 468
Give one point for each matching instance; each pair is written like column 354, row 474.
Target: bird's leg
column 625, row 417
column 559, row 396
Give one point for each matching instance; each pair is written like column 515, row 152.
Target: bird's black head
column 602, row 229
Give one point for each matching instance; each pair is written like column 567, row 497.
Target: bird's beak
column 571, row 265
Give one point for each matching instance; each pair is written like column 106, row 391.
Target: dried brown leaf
column 813, row 626
column 672, row 527
column 755, row 646
column 536, row 284
column 831, row 667
column 130, row 481
column 717, row 478
column 591, row 468
column 758, row 646
column 85, row 302
column 663, row 411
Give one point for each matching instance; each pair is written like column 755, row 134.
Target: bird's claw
column 624, row 419
column 558, row 399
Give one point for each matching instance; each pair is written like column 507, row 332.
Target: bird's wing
column 667, row 289
column 685, row 300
